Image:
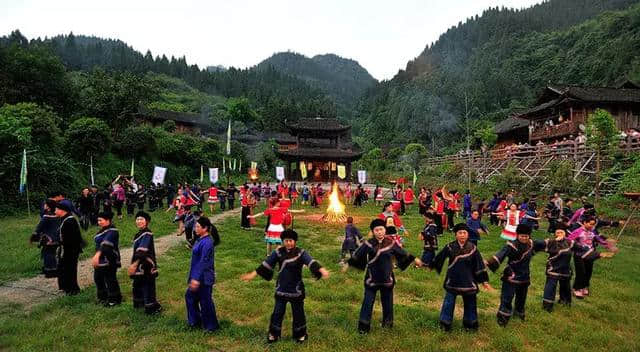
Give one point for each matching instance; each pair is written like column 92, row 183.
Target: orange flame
column 335, row 210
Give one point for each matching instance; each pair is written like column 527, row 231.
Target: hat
column 377, row 222
column 290, row 234
column 65, row 205
column 523, row 229
column 431, row 216
column 105, row 215
column 391, row 230
column 460, row 227
column 143, row 214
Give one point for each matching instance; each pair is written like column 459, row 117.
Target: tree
column 602, row 137
column 88, row 136
column 239, row 109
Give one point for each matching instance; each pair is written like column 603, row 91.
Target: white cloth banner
column 158, row 174
column 213, row 175
column 280, row 173
column 362, row 176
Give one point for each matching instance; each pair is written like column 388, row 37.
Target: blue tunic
column 202, row 262
column 144, row 251
column 376, row 258
column 466, row 268
column 106, row 242
column 519, row 257
column 289, row 283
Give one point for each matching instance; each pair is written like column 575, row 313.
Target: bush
column 88, row 136
column 136, row 141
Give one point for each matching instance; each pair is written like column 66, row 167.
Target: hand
column 194, row 285
column 95, row 261
column 132, row 268
column 324, row 272
column 607, row 254
column 345, row 268
column 486, row 263
column 418, row 262
column 248, row 276
column 487, row 287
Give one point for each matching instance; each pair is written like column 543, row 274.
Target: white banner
column 362, row 176
column 280, row 173
column 213, row 175
column 158, row 174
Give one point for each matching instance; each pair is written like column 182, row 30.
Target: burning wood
column 335, row 210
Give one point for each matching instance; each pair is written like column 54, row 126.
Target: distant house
column 512, row 130
column 562, row 110
column 185, row 122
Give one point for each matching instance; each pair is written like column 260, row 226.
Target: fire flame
column 335, row 210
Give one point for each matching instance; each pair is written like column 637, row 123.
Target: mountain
column 342, row 79
column 496, row 63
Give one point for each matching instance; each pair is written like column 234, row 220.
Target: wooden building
column 320, row 145
column 562, row 110
column 185, row 122
column 512, row 130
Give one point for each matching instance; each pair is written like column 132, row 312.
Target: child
column 465, row 271
column 516, row 277
column 352, row 238
column 430, row 237
column 305, row 194
column 276, row 214
column 375, row 255
column 289, row 285
column 512, row 218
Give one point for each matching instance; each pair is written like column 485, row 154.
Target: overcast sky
column 381, row 35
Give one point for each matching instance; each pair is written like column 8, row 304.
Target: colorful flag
column 213, row 175
column 132, row 163
column 229, row 139
column 342, row 171
column 279, row 173
column 224, row 169
column 240, row 167
column 303, row 170
column 23, row 171
column 159, row 174
column 362, row 176
column 201, row 173
column 234, row 164
column 254, row 165
column 415, row 178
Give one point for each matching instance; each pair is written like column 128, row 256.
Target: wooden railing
column 567, row 150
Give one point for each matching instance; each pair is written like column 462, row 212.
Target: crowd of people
column 574, row 234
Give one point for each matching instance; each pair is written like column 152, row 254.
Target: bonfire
column 335, row 210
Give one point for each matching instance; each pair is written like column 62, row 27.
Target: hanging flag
column 342, row 171
column 132, row 163
column 303, row 170
column 279, row 173
column 234, row 164
column 362, row 176
column 201, row 173
column 91, row 163
column 213, row 175
column 224, row 170
column 254, row 165
column 23, row 171
column 415, row 178
column 240, row 167
column 230, row 166
column 293, row 165
column 229, row 139
column 159, row 174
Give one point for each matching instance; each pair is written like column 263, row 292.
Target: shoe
column 272, row 339
column 578, row 294
column 585, row 291
column 302, row 338
column 446, row 327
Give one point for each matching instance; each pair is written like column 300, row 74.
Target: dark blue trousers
column 107, row 285
column 49, row 261
column 386, row 298
column 144, row 294
column 470, row 315
column 550, row 292
column 200, row 308
column 299, row 326
column 509, row 290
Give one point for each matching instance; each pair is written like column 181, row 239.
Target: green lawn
column 21, row 259
column 608, row 320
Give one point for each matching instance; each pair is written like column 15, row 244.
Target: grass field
column 607, row 320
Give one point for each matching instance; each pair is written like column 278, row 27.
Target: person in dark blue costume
column 201, row 311
column 289, row 285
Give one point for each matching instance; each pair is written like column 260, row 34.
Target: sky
column 381, row 35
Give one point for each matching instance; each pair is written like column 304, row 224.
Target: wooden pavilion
column 321, row 145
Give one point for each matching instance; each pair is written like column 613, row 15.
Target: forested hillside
column 343, row 79
column 496, row 63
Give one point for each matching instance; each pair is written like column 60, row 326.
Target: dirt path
column 32, row 291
